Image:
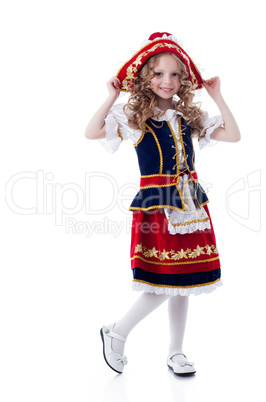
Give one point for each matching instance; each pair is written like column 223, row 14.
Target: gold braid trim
column 158, row 145
column 174, row 263
column 177, row 287
column 188, row 223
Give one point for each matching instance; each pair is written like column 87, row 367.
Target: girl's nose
column 167, row 79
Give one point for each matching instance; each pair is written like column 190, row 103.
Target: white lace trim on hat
column 177, row 41
column 169, row 37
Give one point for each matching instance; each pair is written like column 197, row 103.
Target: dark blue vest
column 160, row 169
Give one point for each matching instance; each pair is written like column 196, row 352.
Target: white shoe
column 183, row 367
column 114, row 360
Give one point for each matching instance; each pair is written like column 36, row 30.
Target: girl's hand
column 230, row 132
column 113, row 86
column 96, row 128
column 213, row 87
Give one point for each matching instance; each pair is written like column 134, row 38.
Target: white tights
column 144, row 305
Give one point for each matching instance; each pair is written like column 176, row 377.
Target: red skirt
column 163, row 263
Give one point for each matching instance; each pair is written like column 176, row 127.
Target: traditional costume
column 173, row 246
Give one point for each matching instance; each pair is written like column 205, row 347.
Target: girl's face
column 165, row 83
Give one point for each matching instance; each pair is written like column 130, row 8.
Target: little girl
column 173, row 247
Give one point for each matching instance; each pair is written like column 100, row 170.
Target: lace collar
column 168, row 114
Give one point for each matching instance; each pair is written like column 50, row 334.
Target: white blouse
column 193, row 217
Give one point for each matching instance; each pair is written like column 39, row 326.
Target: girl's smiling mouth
column 166, row 89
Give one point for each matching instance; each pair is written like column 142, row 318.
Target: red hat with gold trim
column 159, row 42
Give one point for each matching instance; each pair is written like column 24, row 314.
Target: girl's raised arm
column 96, row 127
column 230, row 132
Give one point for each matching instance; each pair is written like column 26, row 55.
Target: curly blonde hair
column 142, row 100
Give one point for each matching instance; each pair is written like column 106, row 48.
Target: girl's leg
column 177, row 309
column 144, row 305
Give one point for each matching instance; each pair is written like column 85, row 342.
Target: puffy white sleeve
column 117, row 129
column 209, row 125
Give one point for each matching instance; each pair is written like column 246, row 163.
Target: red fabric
column 150, row 232
column 123, row 73
column 158, row 35
column 157, row 180
column 160, row 180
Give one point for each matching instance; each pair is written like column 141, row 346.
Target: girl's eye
column 158, row 74
column 175, row 74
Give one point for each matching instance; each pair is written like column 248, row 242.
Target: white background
column 60, row 284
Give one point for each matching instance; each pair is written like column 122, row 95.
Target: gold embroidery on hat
column 131, row 71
